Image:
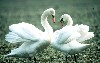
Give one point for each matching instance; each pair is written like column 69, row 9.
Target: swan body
column 33, row 40
column 69, row 38
column 23, row 32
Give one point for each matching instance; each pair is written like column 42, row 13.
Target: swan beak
column 53, row 18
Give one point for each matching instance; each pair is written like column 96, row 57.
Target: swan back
column 65, row 35
column 23, row 32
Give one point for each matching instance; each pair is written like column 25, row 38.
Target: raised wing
column 23, row 32
column 65, row 34
column 84, row 31
column 85, row 36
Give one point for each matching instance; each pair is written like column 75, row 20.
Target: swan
column 83, row 30
column 69, row 38
column 33, row 40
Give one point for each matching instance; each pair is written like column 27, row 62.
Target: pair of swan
column 34, row 40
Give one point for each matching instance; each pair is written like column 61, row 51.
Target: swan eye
column 53, row 16
column 62, row 20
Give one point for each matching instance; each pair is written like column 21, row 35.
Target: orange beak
column 53, row 19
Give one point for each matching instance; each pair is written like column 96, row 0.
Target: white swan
column 67, row 39
column 83, row 30
column 34, row 40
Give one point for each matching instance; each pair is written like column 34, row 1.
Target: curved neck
column 45, row 23
column 70, row 21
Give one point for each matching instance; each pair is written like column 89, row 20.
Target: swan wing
column 23, row 32
column 85, row 36
column 74, row 47
column 73, row 36
column 13, row 38
column 21, row 51
column 65, row 35
column 84, row 31
column 28, row 49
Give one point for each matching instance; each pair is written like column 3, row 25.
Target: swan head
column 51, row 12
column 66, row 17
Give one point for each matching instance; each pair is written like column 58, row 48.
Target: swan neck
column 70, row 22
column 44, row 17
column 44, row 22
